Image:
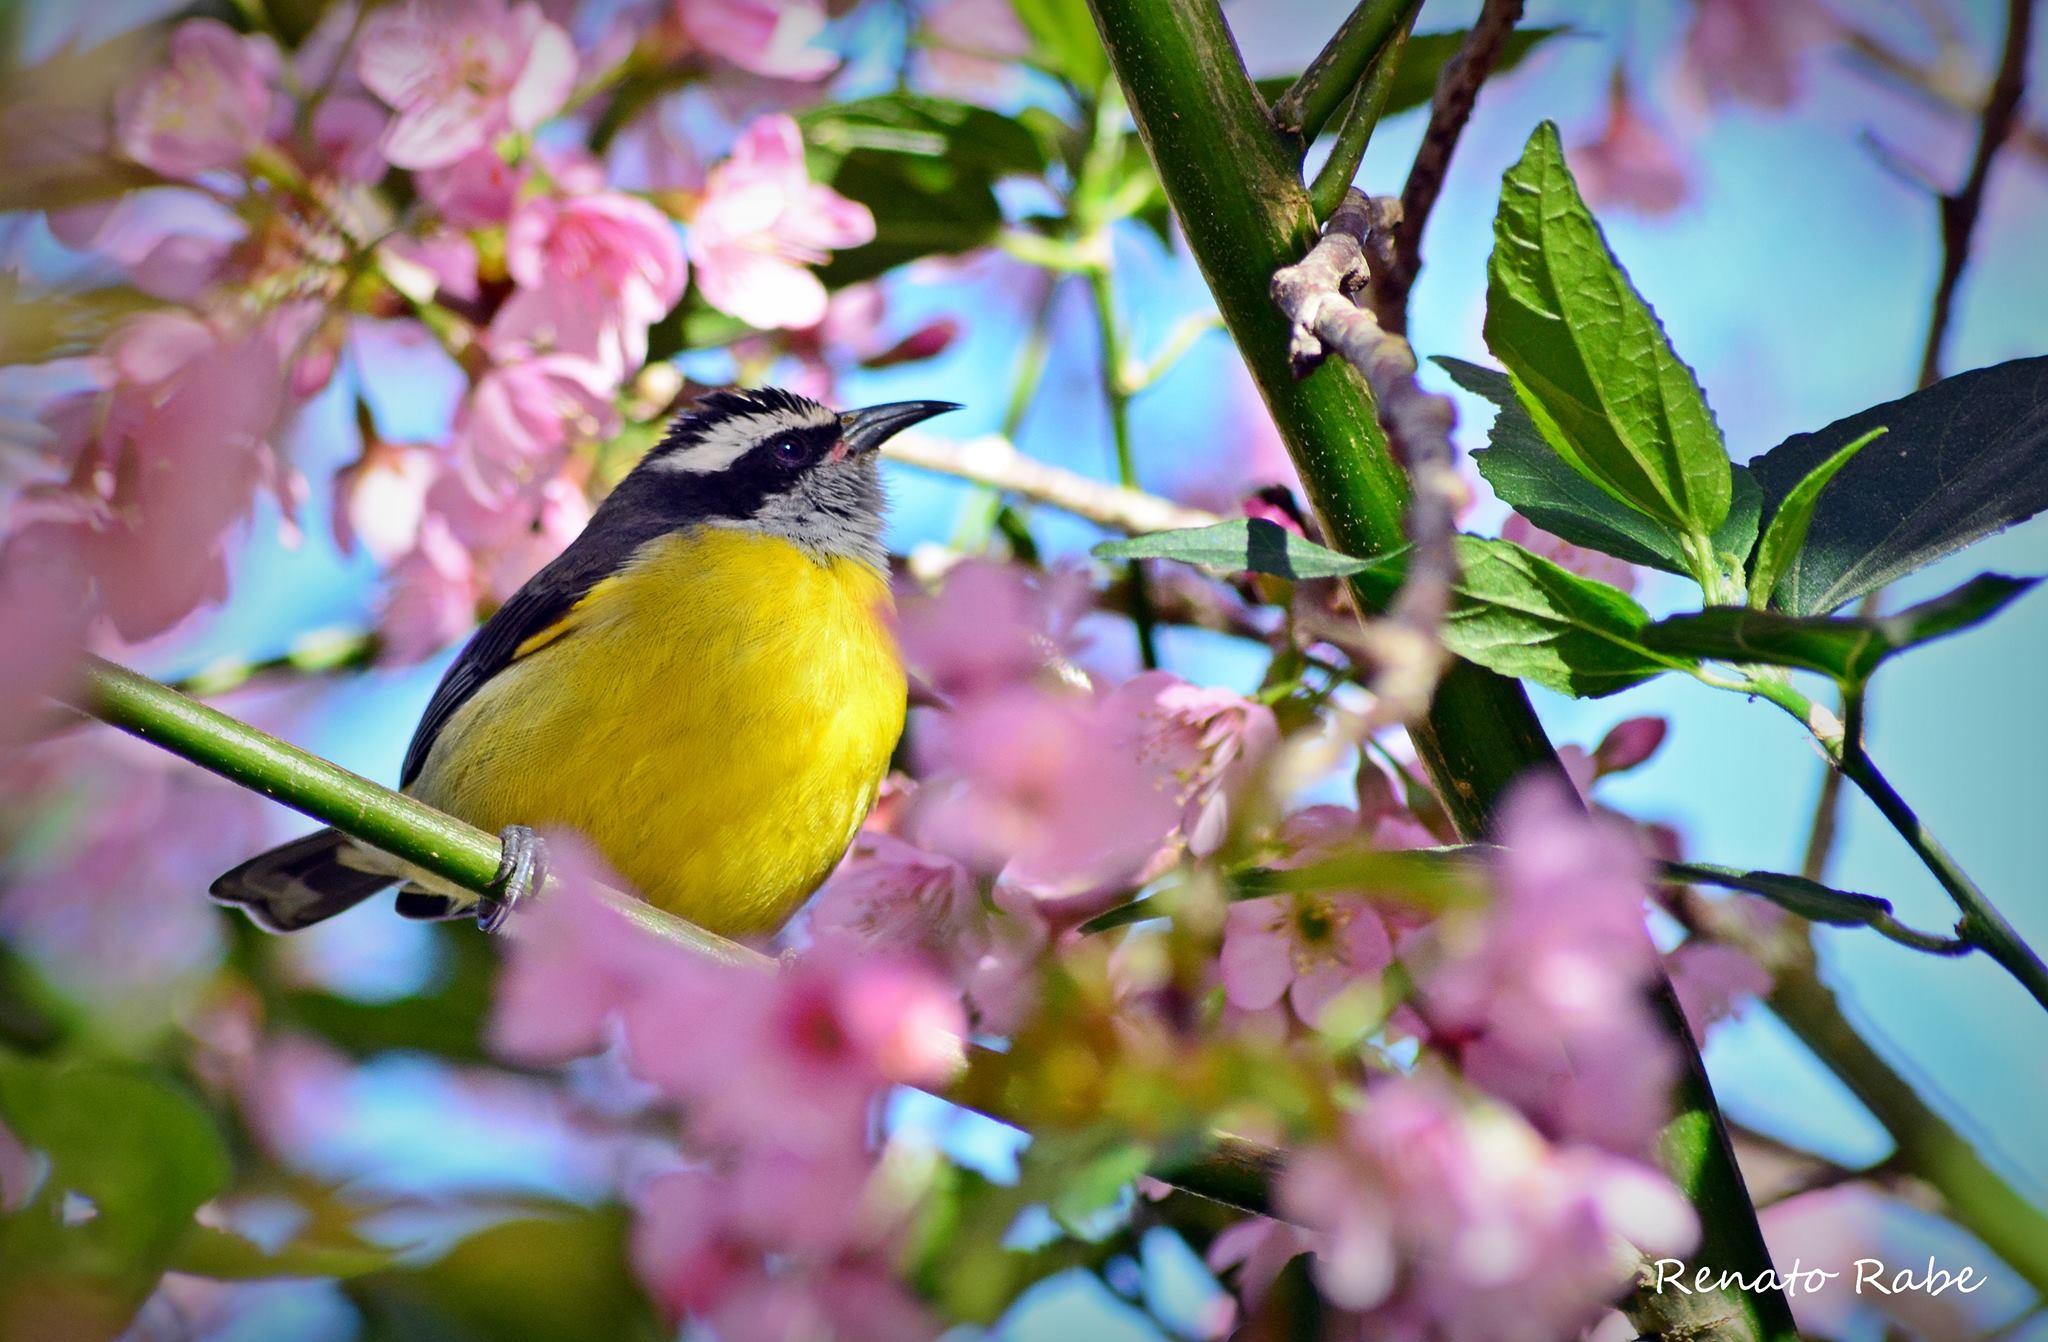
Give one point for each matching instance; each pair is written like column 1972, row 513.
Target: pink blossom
column 594, row 272
column 766, row 37
column 120, row 822
column 1208, row 742
column 557, row 517
column 431, row 601
column 576, row 962
column 177, row 450
column 1545, row 1000
column 1456, row 1221
column 19, row 1173
column 519, row 421
column 1629, row 743
column 1046, row 789
column 348, row 131
column 1711, row 979
column 990, row 626
column 895, row 896
column 1631, row 163
column 701, row 1246
column 1580, row 560
column 478, row 190
column 45, row 601
column 459, row 73
column 797, row 1058
column 1751, row 50
column 763, row 222
column 205, row 109
column 815, row 1045
column 1307, row 948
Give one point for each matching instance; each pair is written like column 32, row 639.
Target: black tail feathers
column 300, row 883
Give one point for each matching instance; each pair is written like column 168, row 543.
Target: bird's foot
column 521, row 870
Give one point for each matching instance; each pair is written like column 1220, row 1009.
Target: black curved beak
column 866, row 430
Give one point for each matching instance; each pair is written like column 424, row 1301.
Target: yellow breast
column 716, row 718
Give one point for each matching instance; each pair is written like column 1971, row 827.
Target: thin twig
column 1457, row 88
column 992, row 461
column 1330, row 78
column 1959, row 212
column 1316, row 295
column 1361, row 117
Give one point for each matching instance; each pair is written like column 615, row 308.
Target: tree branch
column 1237, row 193
column 1457, row 89
column 1959, row 212
column 993, row 461
column 1330, row 78
column 1317, row 295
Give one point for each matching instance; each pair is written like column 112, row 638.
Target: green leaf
column 1962, row 459
column 131, row 1157
column 1848, row 648
column 1524, row 616
column 1515, row 613
column 1241, row 545
column 1064, row 42
column 1092, row 1173
column 1587, row 355
column 559, row 1277
column 1422, row 61
column 1529, row 476
column 1809, row 899
column 1792, row 519
column 144, row 1153
column 926, row 168
column 225, row 1256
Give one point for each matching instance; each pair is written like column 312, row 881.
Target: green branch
column 1308, row 105
column 1981, row 925
column 1232, row 180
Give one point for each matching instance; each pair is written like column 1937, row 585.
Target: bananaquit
column 703, row 684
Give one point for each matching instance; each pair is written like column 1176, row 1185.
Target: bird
column 703, row 685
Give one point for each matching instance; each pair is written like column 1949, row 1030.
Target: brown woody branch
column 1959, row 211
column 1457, row 89
column 1319, row 297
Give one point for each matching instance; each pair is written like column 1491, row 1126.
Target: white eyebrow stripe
column 726, row 441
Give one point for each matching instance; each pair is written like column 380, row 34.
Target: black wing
column 545, row 600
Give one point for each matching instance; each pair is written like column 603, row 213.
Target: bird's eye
column 790, row 452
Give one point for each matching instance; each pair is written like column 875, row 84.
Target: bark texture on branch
column 1319, row 296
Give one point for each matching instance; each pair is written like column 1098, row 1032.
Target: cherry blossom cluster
column 412, row 175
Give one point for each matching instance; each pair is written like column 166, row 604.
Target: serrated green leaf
column 1241, row 545
column 1794, row 516
column 1588, row 357
column 1848, row 648
column 1796, row 894
column 1529, row 476
column 1524, row 616
column 1962, row 459
column 1064, row 42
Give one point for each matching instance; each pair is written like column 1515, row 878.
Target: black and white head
column 769, row 460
